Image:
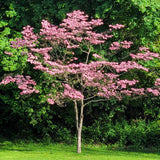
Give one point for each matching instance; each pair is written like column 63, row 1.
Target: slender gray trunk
column 79, row 135
column 79, row 124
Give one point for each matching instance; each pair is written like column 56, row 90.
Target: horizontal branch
column 89, row 98
column 98, row 100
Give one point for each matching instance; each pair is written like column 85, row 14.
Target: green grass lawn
column 9, row 151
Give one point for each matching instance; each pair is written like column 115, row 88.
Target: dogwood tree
column 66, row 53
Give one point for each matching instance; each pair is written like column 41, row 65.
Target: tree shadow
column 86, row 150
column 15, row 149
column 7, row 145
column 143, row 150
column 120, row 152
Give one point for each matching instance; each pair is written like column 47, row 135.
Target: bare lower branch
column 89, row 98
column 98, row 100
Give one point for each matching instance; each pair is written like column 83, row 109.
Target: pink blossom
column 125, row 66
column 115, row 46
column 126, row 92
column 7, row 80
column 71, row 92
column 29, row 38
column 145, row 56
column 24, row 83
column 116, row 26
column 126, row 44
column 8, row 53
column 138, row 91
column 123, row 83
column 143, row 49
column 28, row 33
column 157, row 82
column 153, row 91
column 97, row 56
column 50, row 101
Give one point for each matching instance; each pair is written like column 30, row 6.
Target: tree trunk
column 79, row 124
column 79, row 135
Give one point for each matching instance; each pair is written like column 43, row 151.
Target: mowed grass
column 66, row 152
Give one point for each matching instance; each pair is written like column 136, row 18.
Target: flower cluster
column 28, row 34
column 116, row 26
column 123, row 83
column 97, row 56
column 125, row 66
column 71, row 93
column 157, row 82
column 8, row 53
column 21, row 43
column 155, row 92
column 117, row 45
column 29, row 38
column 24, row 83
column 7, row 80
column 144, row 49
column 126, row 44
column 43, row 51
column 145, row 56
column 75, row 29
column 78, row 20
column 133, row 91
column 50, row 101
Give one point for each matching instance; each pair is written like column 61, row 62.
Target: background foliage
column 128, row 123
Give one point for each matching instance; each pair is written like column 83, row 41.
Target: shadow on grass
column 100, row 151
column 142, row 150
column 129, row 150
column 9, row 146
column 12, row 149
column 71, row 149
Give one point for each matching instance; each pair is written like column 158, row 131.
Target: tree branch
column 89, row 98
column 98, row 100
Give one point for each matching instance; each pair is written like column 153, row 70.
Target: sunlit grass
column 9, row 151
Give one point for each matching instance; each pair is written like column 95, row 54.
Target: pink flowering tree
column 80, row 74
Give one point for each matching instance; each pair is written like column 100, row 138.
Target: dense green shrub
column 137, row 133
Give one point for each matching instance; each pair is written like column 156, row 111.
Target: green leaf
column 11, row 14
column 3, row 24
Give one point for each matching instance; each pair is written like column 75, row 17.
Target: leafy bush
column 137, row 133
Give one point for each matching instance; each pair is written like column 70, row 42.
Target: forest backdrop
column 128, row 122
